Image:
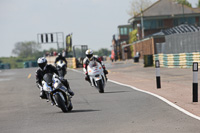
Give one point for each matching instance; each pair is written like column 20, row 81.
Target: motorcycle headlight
column 57, row 85
column 48, row 88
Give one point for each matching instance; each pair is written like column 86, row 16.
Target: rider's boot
column 43, row 94
column 105, row 73
column 69, row 89
column 66, row 84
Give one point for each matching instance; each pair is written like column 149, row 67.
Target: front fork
column 66, row 97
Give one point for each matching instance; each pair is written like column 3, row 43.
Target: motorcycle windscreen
column 48, row 78
column 93, row 64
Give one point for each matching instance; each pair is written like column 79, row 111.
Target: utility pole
column 183, row 12
column 142, row 23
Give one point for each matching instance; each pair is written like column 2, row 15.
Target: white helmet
column 42, row 62
column 89, row 54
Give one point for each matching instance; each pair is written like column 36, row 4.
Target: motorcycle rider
column 48, row 68
column 89, row 57
column 60, row 57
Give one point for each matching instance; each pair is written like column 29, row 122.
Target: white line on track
column 155, row 95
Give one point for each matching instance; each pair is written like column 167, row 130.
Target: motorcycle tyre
column 70, row 104
column 70, row 107
column 61, row 103
column 100, row 86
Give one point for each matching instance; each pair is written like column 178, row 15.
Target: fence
column 180, row 43
column 5, row 66
column 28, row 64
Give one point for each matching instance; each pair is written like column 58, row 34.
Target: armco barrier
column 28, row 64
column 182, row 60
column 5, row 66
column 71, row 62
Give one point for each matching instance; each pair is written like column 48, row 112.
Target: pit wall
column 71, row 62
column 182, row 60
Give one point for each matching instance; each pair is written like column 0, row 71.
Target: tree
column 26, row 49
column 102, row 52
column 184, row 2
column 138, row 6
column 198, row 5
column 132, row 38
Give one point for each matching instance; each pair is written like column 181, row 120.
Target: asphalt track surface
column 119, row 110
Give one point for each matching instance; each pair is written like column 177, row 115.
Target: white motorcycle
column 96, row 75
column 57, row 92
column 61, row 67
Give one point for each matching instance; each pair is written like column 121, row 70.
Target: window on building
column 188, row 20
column 160, row 24
column 176, row 23
column 199, row 22
column 150, row 24
column 121, row 31
column 191, row 20
column 130, row 30
column 125, row 31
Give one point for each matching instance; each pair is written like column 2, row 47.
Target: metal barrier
column 180, row 43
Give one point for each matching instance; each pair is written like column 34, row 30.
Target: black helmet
column 89, row 54
column 42, row 62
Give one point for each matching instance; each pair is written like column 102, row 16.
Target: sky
column 92, row 22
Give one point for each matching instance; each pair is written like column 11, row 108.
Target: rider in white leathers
column 89, row 57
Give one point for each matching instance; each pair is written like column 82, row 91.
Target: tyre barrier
column 182, row 60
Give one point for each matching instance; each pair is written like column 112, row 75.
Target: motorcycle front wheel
column 100, row 86
column 61, row 102
column 68, row 101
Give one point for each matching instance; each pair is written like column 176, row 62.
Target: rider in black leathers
column 61, row 70
column 60, row 57
column 47, row 68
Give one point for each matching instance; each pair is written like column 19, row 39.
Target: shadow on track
column 87, row 110
column 79, row 111
column 116, row 92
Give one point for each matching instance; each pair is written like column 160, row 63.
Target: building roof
column 125, row 25
column 183, row 28
column 166, row 8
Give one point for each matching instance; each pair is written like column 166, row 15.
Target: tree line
column 31, row 51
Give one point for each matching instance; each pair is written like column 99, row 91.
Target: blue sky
column 92, row 22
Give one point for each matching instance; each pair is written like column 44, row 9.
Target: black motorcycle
column 57, row 92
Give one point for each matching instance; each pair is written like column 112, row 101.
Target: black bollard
column 195, row 82
column 158, row 74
